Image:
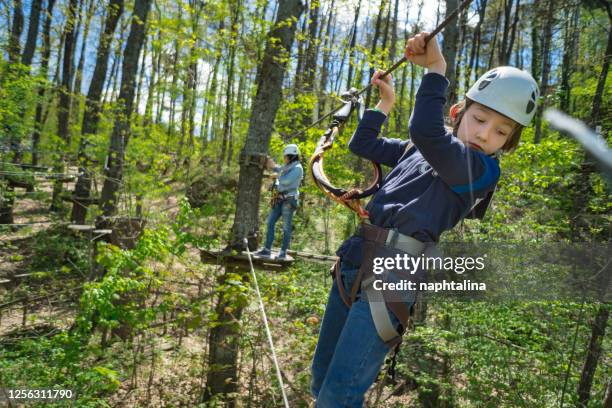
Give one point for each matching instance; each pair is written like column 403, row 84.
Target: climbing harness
column 276, row 196
column 265, row 320
column 376, row 239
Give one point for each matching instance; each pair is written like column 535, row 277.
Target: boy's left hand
column 387, row 94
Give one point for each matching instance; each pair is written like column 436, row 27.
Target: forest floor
column 167, row 364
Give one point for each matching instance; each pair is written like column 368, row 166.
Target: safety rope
column 265, row 320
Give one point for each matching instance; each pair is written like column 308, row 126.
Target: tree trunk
column 44, row 73
column 173, row 86
column 65, row 98
column 571, row 41
column 223, row 341
column 607, row 402
column 598, row 331
column 507, row 10
column 412, row 66
column 399, row 111
column 329, row 40
column 310, row 62
column 298, row 80
column 513, row 31
column 93, row 108
column 379, row 18
column 352, row 46
column 14, row 46
column 548, row 26
column 14, row 50
column 141, row 75
column 449, row 50
column 536, row 64
column 78, row 76
column 30, row 45
column 601, row 83
column 15, row 137
column 229, row 94
column 210, row 98
column 156, row 54
column 111, row 89
column 494, row 42
column 460, row 59
column 121, row 129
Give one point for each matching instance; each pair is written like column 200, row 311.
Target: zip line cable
column 439, row 28
column 265, row 320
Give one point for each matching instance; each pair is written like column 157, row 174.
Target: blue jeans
column 286, row 208
column 349, row 353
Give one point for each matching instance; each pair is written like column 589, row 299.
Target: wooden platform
column 241, row 258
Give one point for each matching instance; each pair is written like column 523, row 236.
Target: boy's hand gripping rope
column 350, row 198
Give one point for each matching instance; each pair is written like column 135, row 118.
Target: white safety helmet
column 291, row 150
column 509, row 91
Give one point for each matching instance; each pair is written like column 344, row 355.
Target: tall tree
column 352, row 44
column 30, row 45
column 328, row 41
column 475, row 44
column 603, row 75
column 507, row 48
column 453, row 34
column 598, row 332
column 377, row 29
column 78, row 76
column 223, row 340
column 93, row 108
column 65, row 97
column 546, row 64
column 121, row 129
column 44, row 73
column 310, row 63
column 229, row 87
column 190, row 85
column 14, row 45
column 536, row 58
column 571, row 42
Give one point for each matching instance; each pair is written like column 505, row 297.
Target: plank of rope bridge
column 81, row 228
column 312, row 256
column 81, row 200
column 223, row 257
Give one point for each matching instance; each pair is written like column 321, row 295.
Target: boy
column 430, row 188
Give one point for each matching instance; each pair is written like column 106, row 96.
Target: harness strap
column 380, row 305
column 348, row 302
column 380, row 315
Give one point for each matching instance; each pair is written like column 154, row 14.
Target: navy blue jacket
column 431, row 186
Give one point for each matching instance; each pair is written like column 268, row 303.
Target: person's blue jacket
column 430, row 187
column 289, row 178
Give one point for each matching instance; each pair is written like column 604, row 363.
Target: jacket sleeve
column 463, row 169
column 292, row 178
column 366, row 143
